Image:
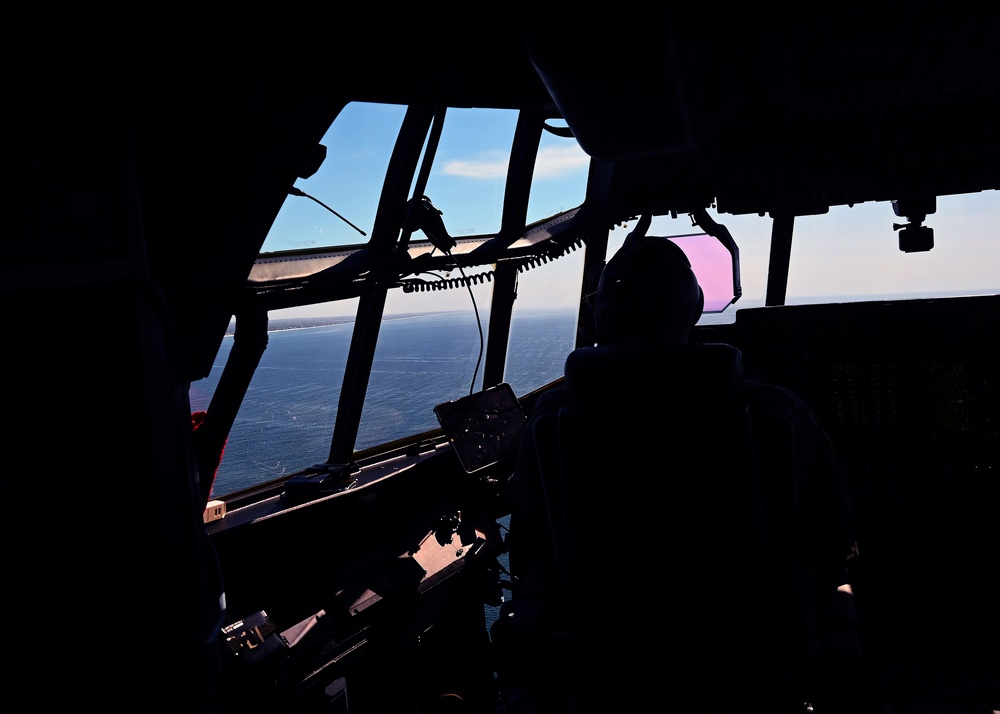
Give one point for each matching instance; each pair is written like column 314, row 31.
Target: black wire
column 479, row 324
column 530, row 262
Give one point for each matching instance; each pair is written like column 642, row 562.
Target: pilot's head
column 648, row 295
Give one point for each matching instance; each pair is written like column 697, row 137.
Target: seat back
column 660, row 535
column 807, row 508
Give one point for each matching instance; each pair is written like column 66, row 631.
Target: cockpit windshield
column 431, row 339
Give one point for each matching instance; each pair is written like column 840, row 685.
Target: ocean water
column 286, row 421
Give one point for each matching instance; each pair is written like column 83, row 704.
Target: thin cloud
column 551, row 163
column 558, row 161
column 488, row 168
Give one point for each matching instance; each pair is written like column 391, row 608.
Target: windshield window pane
column 559, row 182
column 286, row 420
column 544, row 324
column 422, row 359
column 469, row 174
column 826, row 267
column 359, row 144
column 827, row 264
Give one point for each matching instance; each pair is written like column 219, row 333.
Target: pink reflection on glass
column 713, row 264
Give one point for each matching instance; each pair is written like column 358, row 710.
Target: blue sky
column 467, row 183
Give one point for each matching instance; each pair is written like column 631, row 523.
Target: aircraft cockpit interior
column 294, row 295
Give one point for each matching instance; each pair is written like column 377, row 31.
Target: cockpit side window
column 826, row 266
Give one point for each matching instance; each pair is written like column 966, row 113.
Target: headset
column 627, row 294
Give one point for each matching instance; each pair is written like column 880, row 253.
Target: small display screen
column 483, row 427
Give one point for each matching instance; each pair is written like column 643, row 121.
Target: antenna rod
column 299, row 192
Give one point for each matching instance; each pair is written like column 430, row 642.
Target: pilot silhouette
column 648, row 298
column 648, row 295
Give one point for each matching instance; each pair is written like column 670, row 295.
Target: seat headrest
column 712, row 370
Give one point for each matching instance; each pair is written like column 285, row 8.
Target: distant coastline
column 299, row 323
